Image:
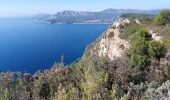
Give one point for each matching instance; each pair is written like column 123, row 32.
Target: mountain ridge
column 106, row 16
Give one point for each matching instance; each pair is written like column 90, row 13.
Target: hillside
column 129, row 61
column 119, row 36
column 84, row 17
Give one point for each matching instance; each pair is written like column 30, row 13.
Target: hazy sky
column 32, row 7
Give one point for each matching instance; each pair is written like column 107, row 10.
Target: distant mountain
column 82, row 17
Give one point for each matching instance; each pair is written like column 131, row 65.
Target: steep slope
column 110, row 44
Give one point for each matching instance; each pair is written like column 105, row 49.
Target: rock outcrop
column 155, row 36
column 110, row 44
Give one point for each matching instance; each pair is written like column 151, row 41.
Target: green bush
column 163, row 18
column 139, row 51
column 145, row 49
column 157, row 50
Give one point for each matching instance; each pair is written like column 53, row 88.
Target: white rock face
column 155, row 35
column 111, row 45
column 121, row 22
column 137, row 21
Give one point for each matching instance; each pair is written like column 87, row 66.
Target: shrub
column 139, row 54
column 45, row 91
column 157, row 50
column 163, row 18
column 129, row 30
column 158, row 20
column 156, row 92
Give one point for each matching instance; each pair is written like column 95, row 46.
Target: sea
column 28, row 45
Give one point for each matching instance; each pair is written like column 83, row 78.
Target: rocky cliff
column 111, row 45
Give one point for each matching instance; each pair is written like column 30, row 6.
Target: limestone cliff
column 110, row 45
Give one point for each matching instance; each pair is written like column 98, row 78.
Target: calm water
column 28, row 45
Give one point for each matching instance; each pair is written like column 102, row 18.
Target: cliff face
column 110, row 44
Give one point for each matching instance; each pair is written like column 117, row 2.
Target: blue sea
column 29, row 45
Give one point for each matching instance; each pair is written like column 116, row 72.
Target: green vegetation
column 143, row 74
column 144, row 53
column 157, row 50
column 163, row 18
column 145, row 49
column 130, row 31
column 139, row 52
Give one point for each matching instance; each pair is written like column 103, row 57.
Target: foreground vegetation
column 143, row 73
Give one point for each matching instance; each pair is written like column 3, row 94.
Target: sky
column 33, row 7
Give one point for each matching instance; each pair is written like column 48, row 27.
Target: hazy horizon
column 31, row 7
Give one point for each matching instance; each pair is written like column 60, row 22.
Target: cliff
column 111, row 45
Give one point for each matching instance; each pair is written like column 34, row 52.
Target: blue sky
column 32, row 7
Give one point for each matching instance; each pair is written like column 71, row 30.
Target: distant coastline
column 106, row 16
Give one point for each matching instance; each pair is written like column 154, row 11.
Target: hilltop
column 129, row 61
